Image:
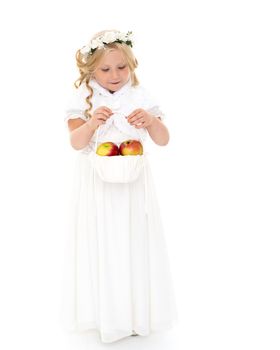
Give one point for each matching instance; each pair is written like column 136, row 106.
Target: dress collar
column 105, row 92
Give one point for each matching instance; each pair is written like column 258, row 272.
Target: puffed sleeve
column 76, row 103
column 151, row 105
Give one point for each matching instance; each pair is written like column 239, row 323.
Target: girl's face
column 112, row 72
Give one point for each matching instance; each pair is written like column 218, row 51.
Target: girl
column 117, row 278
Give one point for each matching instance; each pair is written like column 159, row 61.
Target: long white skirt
column 116, row 274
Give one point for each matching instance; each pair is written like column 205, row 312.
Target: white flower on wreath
column 107, row 38
column 96, row 43
column 122, row 36
column 110, row 37
column 85, row 49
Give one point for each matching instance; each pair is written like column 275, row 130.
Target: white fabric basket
column 117, row 169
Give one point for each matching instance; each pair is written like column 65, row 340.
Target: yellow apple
column 107, row 149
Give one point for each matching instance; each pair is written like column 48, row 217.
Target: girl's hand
column 140, row 118
column 100, row 115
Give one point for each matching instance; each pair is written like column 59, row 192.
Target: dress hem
column 87, row 327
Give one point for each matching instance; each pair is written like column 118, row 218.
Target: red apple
column 131, row 148
column 107, row 149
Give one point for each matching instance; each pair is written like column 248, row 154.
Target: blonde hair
column 88, row 66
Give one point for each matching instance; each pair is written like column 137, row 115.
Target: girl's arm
column 80, row 132
column 158, row 131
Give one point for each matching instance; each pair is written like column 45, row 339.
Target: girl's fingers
column 107, row 114
column 103, row 113
column 104, row 108
column 136, row 119
column 134, row 113
column 141, row 125
column 102, row 116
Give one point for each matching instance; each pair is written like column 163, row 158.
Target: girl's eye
column 107, row 69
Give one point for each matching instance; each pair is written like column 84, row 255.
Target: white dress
column 116, row 277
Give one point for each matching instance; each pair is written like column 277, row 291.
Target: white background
column 214, row 66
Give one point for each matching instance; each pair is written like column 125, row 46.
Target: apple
column 131, row 148
column 107, row 149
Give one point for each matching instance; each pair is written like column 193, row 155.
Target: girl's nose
column 115, row 74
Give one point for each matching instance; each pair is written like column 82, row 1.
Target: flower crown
column 107, row 38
